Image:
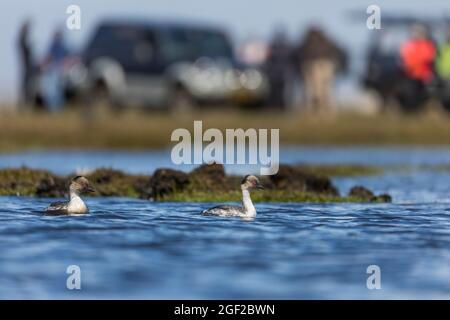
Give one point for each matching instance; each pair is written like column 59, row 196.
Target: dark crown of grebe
column 251, row 182
column 81, row 184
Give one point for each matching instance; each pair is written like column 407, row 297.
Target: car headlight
column 231, row 79
column 206, row 79
column 251, row 79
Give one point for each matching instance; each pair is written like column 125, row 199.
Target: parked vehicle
column 163, row 65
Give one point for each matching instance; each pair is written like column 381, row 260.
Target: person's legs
column 54, row 98
column 26, row 90
column 309, row 86
column 278, row 94
column 329, row 82
column 273, row 92
column 325, row 78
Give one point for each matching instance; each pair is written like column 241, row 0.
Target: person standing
column 442, row 66
column 278, row 67
column 319, row 59
column 26, row 61
column 418, row 55
column 52, row 67
column 443, row 59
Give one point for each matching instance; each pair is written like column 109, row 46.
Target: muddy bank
column 205, row 183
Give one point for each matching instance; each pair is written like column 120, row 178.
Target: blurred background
column 317, row 69
column 265, row 36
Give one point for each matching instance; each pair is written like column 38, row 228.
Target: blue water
column 66, row 162
column 128, row 248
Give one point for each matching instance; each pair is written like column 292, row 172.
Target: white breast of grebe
column 75, row 206
column 225, row 211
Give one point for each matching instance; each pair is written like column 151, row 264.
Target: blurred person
column 26, row 61
column 52, row 69
column 278, row 67
column 418, row 55
column 443, row 58
column 319, row 59
column 442, row 66
column 417, row 59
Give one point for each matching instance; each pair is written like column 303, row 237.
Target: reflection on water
column 129, row 248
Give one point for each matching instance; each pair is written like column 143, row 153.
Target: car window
column 187, row 44
column 131, row 46
column 211, row 44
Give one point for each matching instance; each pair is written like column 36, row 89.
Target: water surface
column 128, row 248
column 136, row 249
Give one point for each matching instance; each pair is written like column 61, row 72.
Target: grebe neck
column 249, row 209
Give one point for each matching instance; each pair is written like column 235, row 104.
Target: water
column 128, row 248
column 147, row 161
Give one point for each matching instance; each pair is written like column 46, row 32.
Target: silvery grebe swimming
column 247, row 210
column 75, row 205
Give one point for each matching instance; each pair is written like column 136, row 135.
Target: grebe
column 247, row 210
column 75, row 205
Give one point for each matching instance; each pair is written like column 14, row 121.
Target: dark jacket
column 316, row 45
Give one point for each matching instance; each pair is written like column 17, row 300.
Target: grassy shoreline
column 135, row 130
column 207, row 183
column 266, row 196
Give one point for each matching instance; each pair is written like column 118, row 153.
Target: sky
column 243, row 19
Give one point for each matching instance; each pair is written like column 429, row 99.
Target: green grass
column 257, row 196
column 344, row 170
column 21, row 181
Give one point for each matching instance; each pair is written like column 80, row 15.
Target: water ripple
column 137, row 249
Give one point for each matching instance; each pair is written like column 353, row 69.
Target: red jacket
column 418, row 59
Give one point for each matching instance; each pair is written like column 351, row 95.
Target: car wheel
column 99, row 95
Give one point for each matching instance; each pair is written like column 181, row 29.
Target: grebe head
column 80, row 185
column 251, row 182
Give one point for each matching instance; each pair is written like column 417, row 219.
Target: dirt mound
column 111, row 182
column 24, row 181
column 166, row 181
column 292, row 178
column 52, row 186
column 365, row 194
